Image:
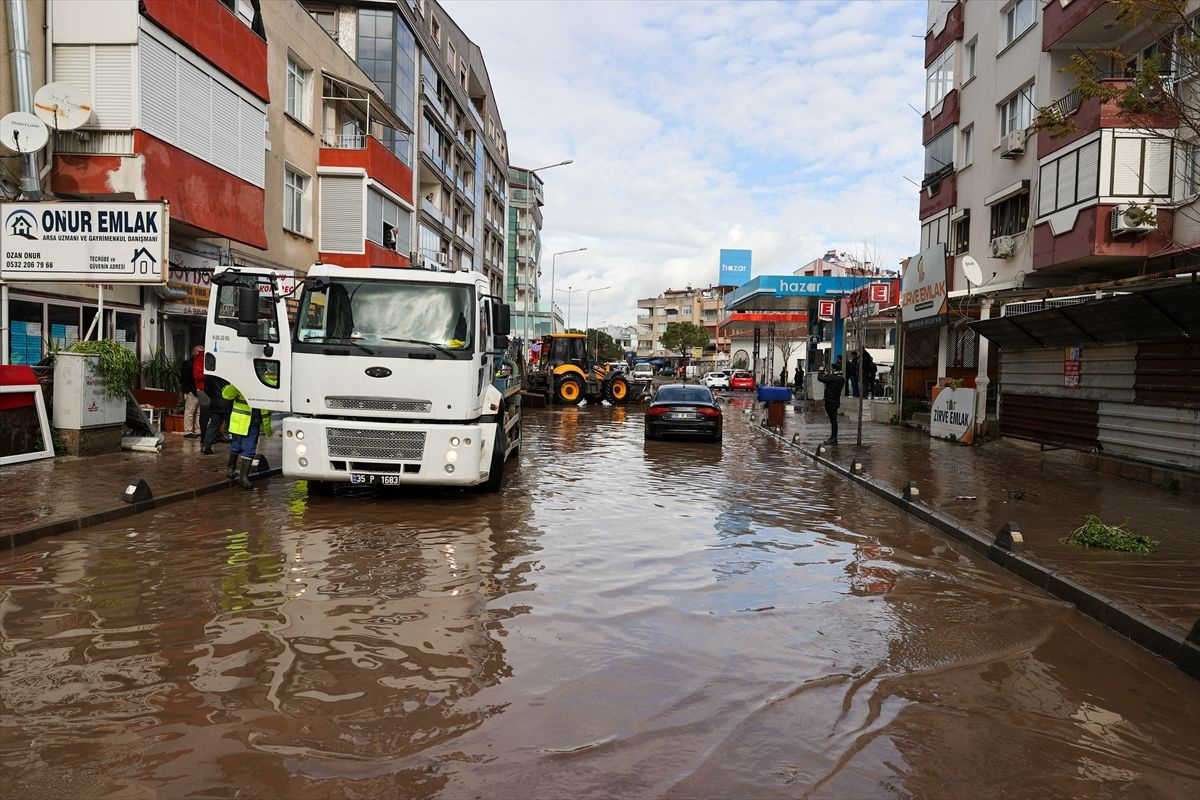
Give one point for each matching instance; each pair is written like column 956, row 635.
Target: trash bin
column 775, row 410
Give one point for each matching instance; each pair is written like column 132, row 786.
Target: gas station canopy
column 790, row 292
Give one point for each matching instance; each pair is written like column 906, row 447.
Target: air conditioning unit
column 415, row 258
column 1012, row 144
column 1134, row 218
column 443, row 258
column 1003, row 246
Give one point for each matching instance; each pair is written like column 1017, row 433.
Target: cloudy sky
column 781, row 128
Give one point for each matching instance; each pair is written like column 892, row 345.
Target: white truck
column 386, row 376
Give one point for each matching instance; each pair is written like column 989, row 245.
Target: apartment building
column 533, row 318
column 837, row 264
column 699, row 306
column 279, row 133
column 1108, row 197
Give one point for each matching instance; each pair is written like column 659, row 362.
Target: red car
column 741, row 379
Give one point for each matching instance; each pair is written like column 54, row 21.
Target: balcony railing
column 344, row 141
column 433, row 210
column 1067, row 105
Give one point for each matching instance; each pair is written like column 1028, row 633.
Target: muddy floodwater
column 626, row 619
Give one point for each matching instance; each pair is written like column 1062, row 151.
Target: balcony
column 1089, row 116
column 1068, row 24
column 937, row 42
column 217, row 34
column 947, row 114
column 368, row 153
column 432, row 210
column 432, row 101
column 1090, row 242
column 939, row 194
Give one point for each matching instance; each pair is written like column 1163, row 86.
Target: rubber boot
column 232, row 468
column 243, row 471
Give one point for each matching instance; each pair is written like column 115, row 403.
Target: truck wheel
column 496, row 471
column 569, row 391
column 617, row 392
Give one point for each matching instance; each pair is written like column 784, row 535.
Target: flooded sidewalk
column 58, row 494
column 1048, row 495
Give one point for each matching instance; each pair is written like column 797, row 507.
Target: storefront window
column 25, row 332
column 64, row 325
column 128, row 331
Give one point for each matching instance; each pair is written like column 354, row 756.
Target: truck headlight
column 451, row 456
column 304, row 462
column 454, row 441
column 301, row 449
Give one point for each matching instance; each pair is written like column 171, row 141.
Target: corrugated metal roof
column 1168, row 312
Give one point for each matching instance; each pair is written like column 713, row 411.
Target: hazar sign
column 92, row 242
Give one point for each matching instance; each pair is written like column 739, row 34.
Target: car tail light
column 710, row 412
column 656, row 411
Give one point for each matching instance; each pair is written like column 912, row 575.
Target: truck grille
column 395, row 445
column 379, row 404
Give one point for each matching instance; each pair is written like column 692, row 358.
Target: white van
column 642, row 372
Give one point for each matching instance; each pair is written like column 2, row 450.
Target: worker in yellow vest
column 245, row 425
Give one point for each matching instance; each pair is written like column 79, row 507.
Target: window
column 1011, row 216
column 1189, row 170
column 939, row 78
column 1018, row 18
column 969, row 61
column 961, row 234
column 298, row 80
column 1185, row 51
column 451, row 56
column 1141, row 167
column 387, row 52
column 295, row 201
column 968, row 146
column 939, row 155
column 327, row 19
column 1016, row 113
column 387, row 223
column 935, row 231
column 436, row 29
column 1069, row 179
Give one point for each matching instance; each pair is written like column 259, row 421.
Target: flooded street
column 626, row 619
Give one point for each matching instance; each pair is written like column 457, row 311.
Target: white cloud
column 779, row 127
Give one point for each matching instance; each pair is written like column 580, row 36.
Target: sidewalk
column 51, row 496
column 1047, row 494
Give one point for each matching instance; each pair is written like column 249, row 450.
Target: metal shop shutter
column 342, row 214
column 1168, row 373
column 1155, row 434
column 1050, row 420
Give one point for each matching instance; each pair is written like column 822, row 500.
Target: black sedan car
column 685, row 410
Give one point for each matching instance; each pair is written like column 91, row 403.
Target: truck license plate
column 363, row 479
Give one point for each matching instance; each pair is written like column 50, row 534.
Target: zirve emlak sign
column 923, row 289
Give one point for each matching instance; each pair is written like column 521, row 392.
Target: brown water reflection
column 628, row 619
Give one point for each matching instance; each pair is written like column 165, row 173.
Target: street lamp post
column 587, row 313
column 568, row 292
column 553, row 264
column 529, row 188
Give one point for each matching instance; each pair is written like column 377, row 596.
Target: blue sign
column 780, row 286
column 735, row 267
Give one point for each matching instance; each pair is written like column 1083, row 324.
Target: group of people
column 211, row 404
column 835, row 385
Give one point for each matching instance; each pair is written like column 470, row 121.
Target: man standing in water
column 834, row 384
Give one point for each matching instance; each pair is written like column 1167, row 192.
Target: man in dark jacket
column 799, row 378
column 219, row 413
column 852, row 373
column 834, row 384
column 195, row 401
column 869, row 372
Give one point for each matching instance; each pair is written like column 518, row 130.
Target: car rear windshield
column 683, row 394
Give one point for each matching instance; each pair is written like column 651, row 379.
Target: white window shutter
column 253, row 155
column 158, row 89
column 1089, row 170
column 195, row 111
column 375, row 203
column 73, row 65
column 1127, row 173
column 1047, row 188
column 1066, row 182
column 341, row 214
column 112, row 97
column 1157, row 180
column 226, row 129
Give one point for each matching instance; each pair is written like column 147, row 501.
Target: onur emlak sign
column 92, row 242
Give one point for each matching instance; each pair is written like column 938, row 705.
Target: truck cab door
column 249, row 337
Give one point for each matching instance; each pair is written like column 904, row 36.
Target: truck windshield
column 382, row 315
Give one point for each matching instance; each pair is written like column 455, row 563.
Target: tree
column 681, row 337
column 604, row 345
column 789, row 339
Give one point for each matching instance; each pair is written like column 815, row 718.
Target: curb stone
column 1184, row 654
column 10, row 541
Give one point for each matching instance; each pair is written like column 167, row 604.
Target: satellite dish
column 62, row 106
column 970, row 268
column 22, row 132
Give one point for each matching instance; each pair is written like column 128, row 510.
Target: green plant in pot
column 162, row 372
column 119, row 365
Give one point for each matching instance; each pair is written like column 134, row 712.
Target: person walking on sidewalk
column 799, row 378
column 245, row 426
column 834, row 383
column 191, row 379
column 219, row 409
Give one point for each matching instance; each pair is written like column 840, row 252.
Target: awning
column 1169, row 312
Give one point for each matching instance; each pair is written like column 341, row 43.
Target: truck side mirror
column 500, row 342
column 501, row 319
column 247, row 312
